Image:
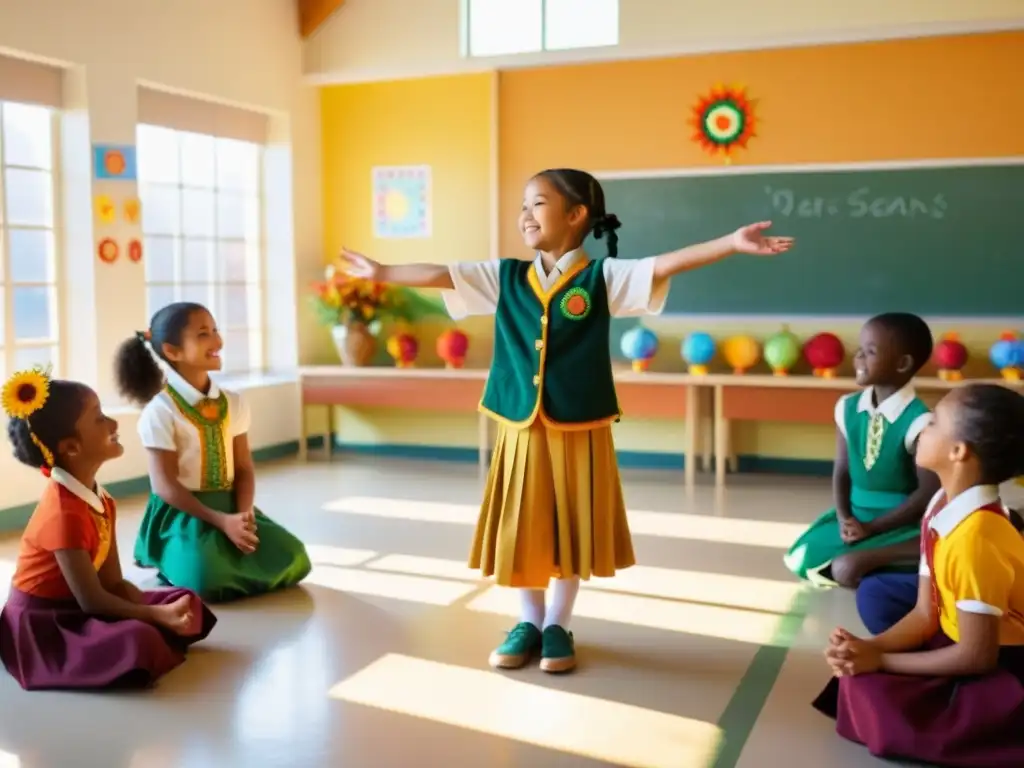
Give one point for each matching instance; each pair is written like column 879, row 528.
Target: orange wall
column 910, row 99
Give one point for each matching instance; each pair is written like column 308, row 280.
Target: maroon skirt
column 966, row 722
column 53, row 644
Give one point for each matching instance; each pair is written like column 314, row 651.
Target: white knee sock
column 532, row 606
column 562, row 601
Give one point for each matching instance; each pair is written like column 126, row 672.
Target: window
column 202, row 223
column 504, row 27
column 29, row 327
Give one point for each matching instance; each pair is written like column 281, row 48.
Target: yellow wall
column 909, row 99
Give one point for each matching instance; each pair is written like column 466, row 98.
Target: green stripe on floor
column 740, row 715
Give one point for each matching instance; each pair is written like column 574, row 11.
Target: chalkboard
column 937, row 241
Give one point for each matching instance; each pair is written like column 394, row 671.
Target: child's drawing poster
column 401, row 201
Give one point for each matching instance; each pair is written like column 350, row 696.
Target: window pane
column 240, row 306
column 197, row 212
column 30, row 357
column 238, row 216
column 159, row 259
column 158, row 297
column 238, row 353
column 3, row 322
column 200, row 294
column 28, row 138
column 161, row 212
column 238, row 165
column 29, row 197
column 31, row 255
column 237, row 261
column 32, row 313
column 580, row 23
column 158, row 155
column 498, row 27
column 197, row 261
column 197, row 160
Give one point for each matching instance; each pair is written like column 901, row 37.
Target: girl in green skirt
column 201, row 529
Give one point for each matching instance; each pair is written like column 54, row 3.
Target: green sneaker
column 521, row 645
column 558, row 650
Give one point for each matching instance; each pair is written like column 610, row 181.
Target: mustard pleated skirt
column 553, row 508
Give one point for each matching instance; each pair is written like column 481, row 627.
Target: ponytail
column 606, row 228
column 139, row 376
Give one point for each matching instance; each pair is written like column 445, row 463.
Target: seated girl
column 201, row 528
column 945, row 685
column 71, row 619
column 880, row 495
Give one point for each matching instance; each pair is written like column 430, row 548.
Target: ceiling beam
column 313, row 13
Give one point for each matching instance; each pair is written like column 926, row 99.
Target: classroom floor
column 381, row 659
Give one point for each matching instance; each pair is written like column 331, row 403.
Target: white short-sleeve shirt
column 632, row 288
column 163, row 427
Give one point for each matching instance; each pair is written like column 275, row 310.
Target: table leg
column 303, row 438
column 707, row 405
column 484, row 445
column 329, row 434
column 721, row 438
column 693, row 410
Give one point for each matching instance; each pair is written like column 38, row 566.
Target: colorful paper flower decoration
column 724, row 120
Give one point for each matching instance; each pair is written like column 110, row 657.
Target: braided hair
column 581, row 188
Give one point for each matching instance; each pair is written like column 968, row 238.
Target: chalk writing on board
column 859, row 204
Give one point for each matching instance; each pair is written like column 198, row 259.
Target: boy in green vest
column 880, row 493
column 553, row 505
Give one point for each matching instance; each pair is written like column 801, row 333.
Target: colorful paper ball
column 1008, row 352
column 639, row 343
column 403, row 347
column 824, row 352
column 698, row 348
column 452, row 346
column 741, row 353
column 782, row 351
column 950, row 354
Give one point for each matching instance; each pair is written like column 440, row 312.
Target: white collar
column 190, row 394
column 960, row 508
column 93, row 498
column 563, row 265
column 892, row 407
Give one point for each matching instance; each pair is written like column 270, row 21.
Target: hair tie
column 144, row 336
column 45, row 471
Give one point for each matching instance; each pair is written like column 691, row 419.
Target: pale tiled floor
column 380, row 660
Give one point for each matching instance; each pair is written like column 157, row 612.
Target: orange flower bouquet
column 356, row 310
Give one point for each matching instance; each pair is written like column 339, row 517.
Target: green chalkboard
column 937, row 241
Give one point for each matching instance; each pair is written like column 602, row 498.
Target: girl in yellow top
column 553, row 506
column 946, row 684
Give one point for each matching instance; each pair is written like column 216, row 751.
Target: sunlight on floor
column 7, row 760
column 321, row 554
column 493, row 704
column 415, row 589
column 692, row 586
column 670, row 525
column 689, row 618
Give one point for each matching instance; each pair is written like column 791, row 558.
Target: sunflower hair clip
column 25, row 393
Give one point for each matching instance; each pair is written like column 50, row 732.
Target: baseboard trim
column 15, row 518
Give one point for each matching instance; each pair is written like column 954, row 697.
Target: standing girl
column 553, row 505
column 945, row 685
column 201, row 529
column 71, row 619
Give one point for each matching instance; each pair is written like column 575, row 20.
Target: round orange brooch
column 575, row 304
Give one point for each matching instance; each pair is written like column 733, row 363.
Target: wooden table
column 793, row 399
column 641, row 395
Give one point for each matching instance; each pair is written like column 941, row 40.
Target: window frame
column 257, row 279
column 466, row 36
column 9, row 344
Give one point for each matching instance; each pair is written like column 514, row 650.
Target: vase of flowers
column 356, row 311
